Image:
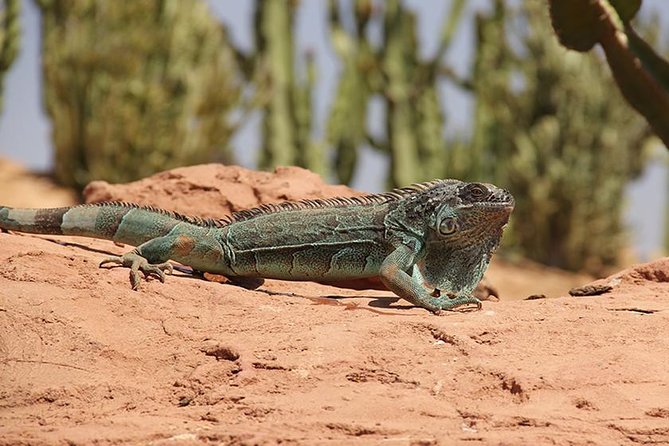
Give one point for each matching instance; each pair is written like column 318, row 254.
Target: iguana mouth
column 491, row 205
column 504, row 201
column 509, row 205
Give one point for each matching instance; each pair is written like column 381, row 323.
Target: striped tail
column 121, row 222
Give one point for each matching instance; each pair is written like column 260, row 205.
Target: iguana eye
column 478, row 190
column 448, row 226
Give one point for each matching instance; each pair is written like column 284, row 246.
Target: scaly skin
column 429, row 243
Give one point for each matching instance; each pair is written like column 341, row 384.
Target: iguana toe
column 118, row 260
column 158, row 270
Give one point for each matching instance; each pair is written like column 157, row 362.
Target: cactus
column 287, row 109
column 548, row 127
column 135, row 87
column 9, row 38
column 273, row 28
column 347, row 121
column 641, row 74
column 392, row 71
column 407, row 85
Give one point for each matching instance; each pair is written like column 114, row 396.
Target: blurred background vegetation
column 136, row 87
column 133, row 88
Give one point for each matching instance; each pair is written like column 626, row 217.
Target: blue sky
column 25, row 131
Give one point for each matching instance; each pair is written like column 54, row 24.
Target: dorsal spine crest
column 247, row 214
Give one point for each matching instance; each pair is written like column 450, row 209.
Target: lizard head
column 468, row 213
column 463, row 224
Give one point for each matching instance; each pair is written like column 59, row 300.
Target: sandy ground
column 83, row 359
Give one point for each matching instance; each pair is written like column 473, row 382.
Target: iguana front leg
column 393, row 275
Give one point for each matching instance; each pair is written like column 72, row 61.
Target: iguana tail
column 122, row 222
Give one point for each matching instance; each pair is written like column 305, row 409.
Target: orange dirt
column 83, row 359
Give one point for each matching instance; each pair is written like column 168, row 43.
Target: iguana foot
column 137, row 263
column 449, row 302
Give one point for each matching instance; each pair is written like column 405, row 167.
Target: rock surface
column 214, row 190
column 84, row 359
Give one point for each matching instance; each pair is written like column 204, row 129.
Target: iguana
column 429, row 243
